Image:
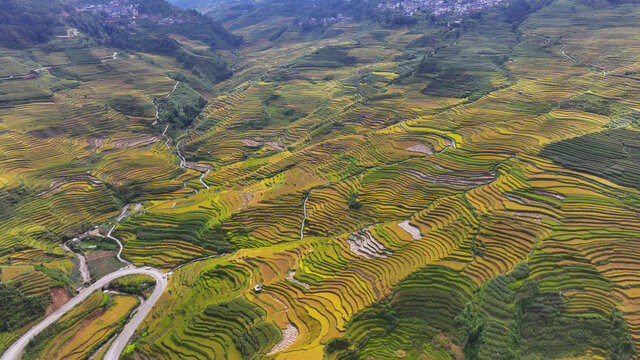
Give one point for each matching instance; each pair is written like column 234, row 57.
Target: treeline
column 31, row 22
column 27, row 22
column 533, row 318
column 17, row 309
column 200, row 27
column 9, row 199
column 309, row 14
column 133, row 284
column 182, row 107
column 515, row 12
column 252, row 336
column 511, row 316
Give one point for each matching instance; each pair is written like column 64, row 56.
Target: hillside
column 202, row 5
column 149, row 26
column 393, row 185
column 24, row 23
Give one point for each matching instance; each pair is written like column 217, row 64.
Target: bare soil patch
column 455, row 181
column 362, row 243
column 250, row 143
column 289, row 336
column 99, row 254
column 412, row 230
column 421, row 148
column 275, row 145
column 136, row 141
column 59, row 297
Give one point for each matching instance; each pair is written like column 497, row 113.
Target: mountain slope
column 376, row 188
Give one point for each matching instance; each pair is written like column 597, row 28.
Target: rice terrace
column 320, row 179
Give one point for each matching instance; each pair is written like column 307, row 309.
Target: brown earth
column 99, row 254
column 59, row 297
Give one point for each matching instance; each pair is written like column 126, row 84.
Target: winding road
column 172, row 90
column 121, row 341
column 185, row 165
column 118, row 345
column 183, row 161
column 164, row 133
column 122, row 215
column 14, row 352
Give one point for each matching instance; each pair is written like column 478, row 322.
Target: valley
column 362, row 189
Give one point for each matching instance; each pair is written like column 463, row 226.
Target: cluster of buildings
column 118, row 10
column 115, row 10
column 326, row 21
column 436, row 7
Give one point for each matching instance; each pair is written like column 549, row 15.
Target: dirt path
column 567, row 56
column 157, row 115
column 193, row 261
column 202, row 177
column 183, row 162
column 114, row 56
column 594, row 68
column 82, row 263
column 122, row 215
column 304, row 213
column 289, row 334
column 71, row 33
column 164, row 133
column 185, row 165
column 291, row 277
column 172, row 90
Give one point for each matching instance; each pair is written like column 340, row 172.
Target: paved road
column 14, row 352
column 123, row 338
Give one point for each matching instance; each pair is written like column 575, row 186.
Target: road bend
column 14, row 352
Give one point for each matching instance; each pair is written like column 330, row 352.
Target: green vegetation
column 353, row 202
column 127, row 105
column 611, row 154
column 182, row 107
column 327, row 57
column 511, row 318
column 27, row 22
column 133, row 284
column 247, row 329
column 19, row 309
column 452, row 83
column 419, row 314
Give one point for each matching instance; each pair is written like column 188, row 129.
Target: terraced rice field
column 68, row 161
column 85, row 329
column 478, row 197
column 478, row 205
